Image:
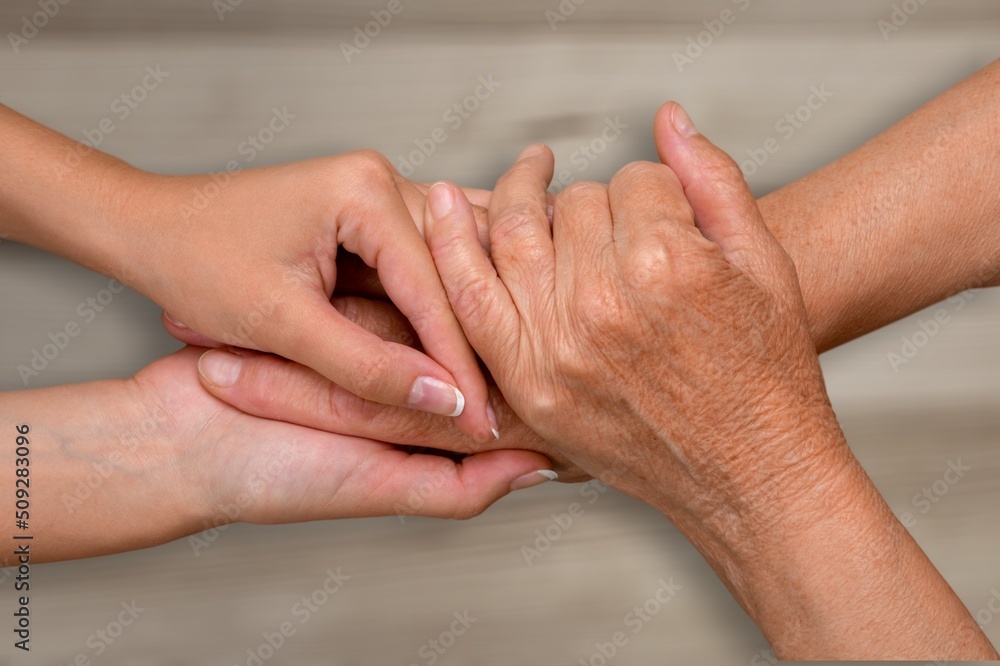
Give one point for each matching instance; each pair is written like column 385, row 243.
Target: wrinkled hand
column 655, row 329
column 261, row 264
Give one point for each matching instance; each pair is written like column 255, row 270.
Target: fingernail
column 531, row 151
column 492, row 416
column 682, row 121
column 441, row 199
column 533, row 479
column 436, row 397
column 220, row 368
column 173, row 321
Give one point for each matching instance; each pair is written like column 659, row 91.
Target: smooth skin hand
column 257, row 265
column 656, row 327
column 125, row 464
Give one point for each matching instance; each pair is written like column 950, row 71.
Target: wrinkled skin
column 656, row 331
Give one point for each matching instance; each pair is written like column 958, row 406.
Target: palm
column 263, row 471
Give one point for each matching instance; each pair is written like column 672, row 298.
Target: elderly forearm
column 827, row 572
column 910, row 218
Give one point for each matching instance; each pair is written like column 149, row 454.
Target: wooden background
column 608, row 60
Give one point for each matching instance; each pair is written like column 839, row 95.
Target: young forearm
column 64, row 197
column 910, row 218
column 100, row 481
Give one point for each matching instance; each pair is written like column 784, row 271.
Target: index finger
column 520, row 232
column 388, row 240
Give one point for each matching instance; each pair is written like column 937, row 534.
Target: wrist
column 826, row 571
column 765, row 490
column 61, row 196
column 106, row 478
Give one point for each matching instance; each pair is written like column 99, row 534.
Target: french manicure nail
column 220, row 368
column 441, row 200
column 436, row 397
column 492, row 416
column 682, row 122
column 533, row 479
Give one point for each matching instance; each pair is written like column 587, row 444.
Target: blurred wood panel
column 610, row 60
column 268, row 16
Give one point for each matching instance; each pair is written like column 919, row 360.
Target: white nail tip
column 460, row 404
column 549, row 474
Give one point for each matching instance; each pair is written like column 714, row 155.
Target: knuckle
column 372, row 374
column 256, row 384
column 647, row 268
column 581, row 193
column 724, row 170
column 473, row 299
column 369, row 162
column 370, row 170
column 641, row 171
column 341, row 406
column 513, row 224
column 727, row 181
column 430, row 312
column 546, row 410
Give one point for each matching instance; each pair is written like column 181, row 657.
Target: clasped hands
column 649, row 332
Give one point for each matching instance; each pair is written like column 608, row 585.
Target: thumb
column 360, row 361
column 436, row 487
column 725, row 209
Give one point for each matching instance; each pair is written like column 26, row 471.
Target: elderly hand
column 638, row 333
column 655, row 334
